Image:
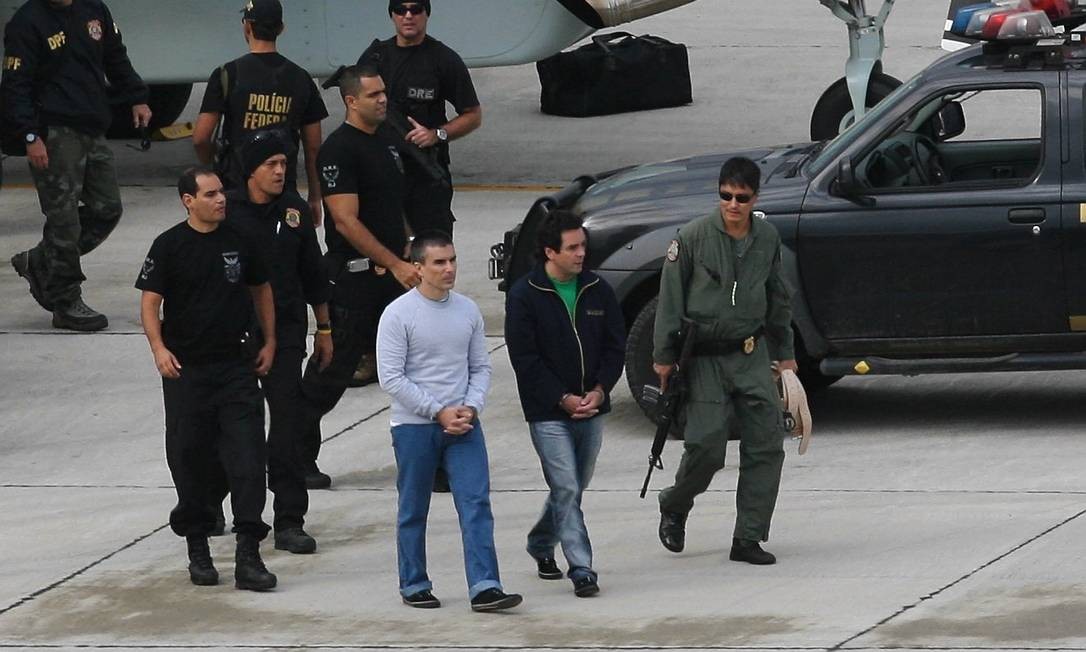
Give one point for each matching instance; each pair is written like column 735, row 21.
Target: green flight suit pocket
column 704, row 383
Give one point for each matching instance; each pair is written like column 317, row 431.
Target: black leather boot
column 673, row 530
column 249, row 570
column 201, row 571
column 750, row 552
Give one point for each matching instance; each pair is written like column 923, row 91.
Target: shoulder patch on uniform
column 94, row 28
column 293, row 218
column 673, row 251
column 330, row 174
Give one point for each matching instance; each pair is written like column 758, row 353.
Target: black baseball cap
column 265, row 12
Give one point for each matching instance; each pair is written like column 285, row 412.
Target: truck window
column 974, row 137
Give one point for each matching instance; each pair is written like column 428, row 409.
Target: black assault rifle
column 668, row 404
column 398, row 123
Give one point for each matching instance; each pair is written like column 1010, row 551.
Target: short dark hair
column 425, row 240
column 186, row 183
column 265, row 31
column 549, row 235
column 350, row 83
column 741, row 171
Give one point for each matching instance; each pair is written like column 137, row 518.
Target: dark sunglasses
column 403, row 10
column 742, row 199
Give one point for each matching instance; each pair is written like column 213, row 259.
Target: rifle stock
column 670, row 403
column 425, row 158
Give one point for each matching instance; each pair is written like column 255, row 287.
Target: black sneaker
column 21, row 263
column 317, row 480
column 495, row 600
column 78, row 316
column 295, row 540
column 548, row 569
column 673, row 531
column 584, row 587
column 422, row 600
column 750, row 552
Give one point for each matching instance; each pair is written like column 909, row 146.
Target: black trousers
column 354, row 329
column 215, row 407
column 428, row 204
column 286, row 461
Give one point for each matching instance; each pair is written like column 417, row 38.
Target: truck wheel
column 639, row 354
column 833, row 112
column 639, row 362
column 167, row 102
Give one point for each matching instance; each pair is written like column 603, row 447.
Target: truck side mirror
column 846, row 185
column 948, row 122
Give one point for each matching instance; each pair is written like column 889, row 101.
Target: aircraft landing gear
column 864, row 83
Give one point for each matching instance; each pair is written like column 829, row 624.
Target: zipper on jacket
column 572, row 321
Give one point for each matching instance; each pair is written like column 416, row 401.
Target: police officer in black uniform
column 206, row 278
column 278, row 222
column 363, row 187
column 422, row 74
column 261, row 90
column 64, row 64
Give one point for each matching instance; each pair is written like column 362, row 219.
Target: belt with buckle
column 359, row 265
column 746, row 345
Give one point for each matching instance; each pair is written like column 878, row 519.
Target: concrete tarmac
column 931, row 513
column 938, row 512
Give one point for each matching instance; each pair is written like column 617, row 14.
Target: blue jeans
column 567, row 452
column 420, row 449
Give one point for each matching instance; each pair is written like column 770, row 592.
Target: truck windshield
column 842, row 141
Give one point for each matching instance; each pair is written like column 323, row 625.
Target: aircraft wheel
column 833, row 112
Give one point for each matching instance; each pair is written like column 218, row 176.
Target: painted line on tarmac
column 507, row 187
column 930, row 492
column 934, row 594
column 438, row 648
column 79, row 572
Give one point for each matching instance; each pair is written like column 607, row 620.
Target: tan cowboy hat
column 794, row 400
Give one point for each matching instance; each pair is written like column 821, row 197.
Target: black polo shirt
column 204, row 280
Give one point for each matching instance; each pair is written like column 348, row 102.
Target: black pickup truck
column 943, row 232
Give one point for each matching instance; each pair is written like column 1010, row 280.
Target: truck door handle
column 1026, row 215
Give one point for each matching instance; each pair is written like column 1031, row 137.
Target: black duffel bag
column 616, row 72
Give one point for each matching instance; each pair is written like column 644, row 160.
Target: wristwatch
column 31, row 137
column 442, row 135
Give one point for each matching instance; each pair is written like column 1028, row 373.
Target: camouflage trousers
column 82, row 204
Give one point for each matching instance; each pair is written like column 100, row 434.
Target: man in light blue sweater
column 432, row 360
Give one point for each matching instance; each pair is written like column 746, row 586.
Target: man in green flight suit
column 724, row 272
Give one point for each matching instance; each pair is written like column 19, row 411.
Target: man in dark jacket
column 59, row 56
column 566, row 340
column 279, row 223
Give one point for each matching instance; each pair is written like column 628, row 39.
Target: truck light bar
column 1011, row 20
